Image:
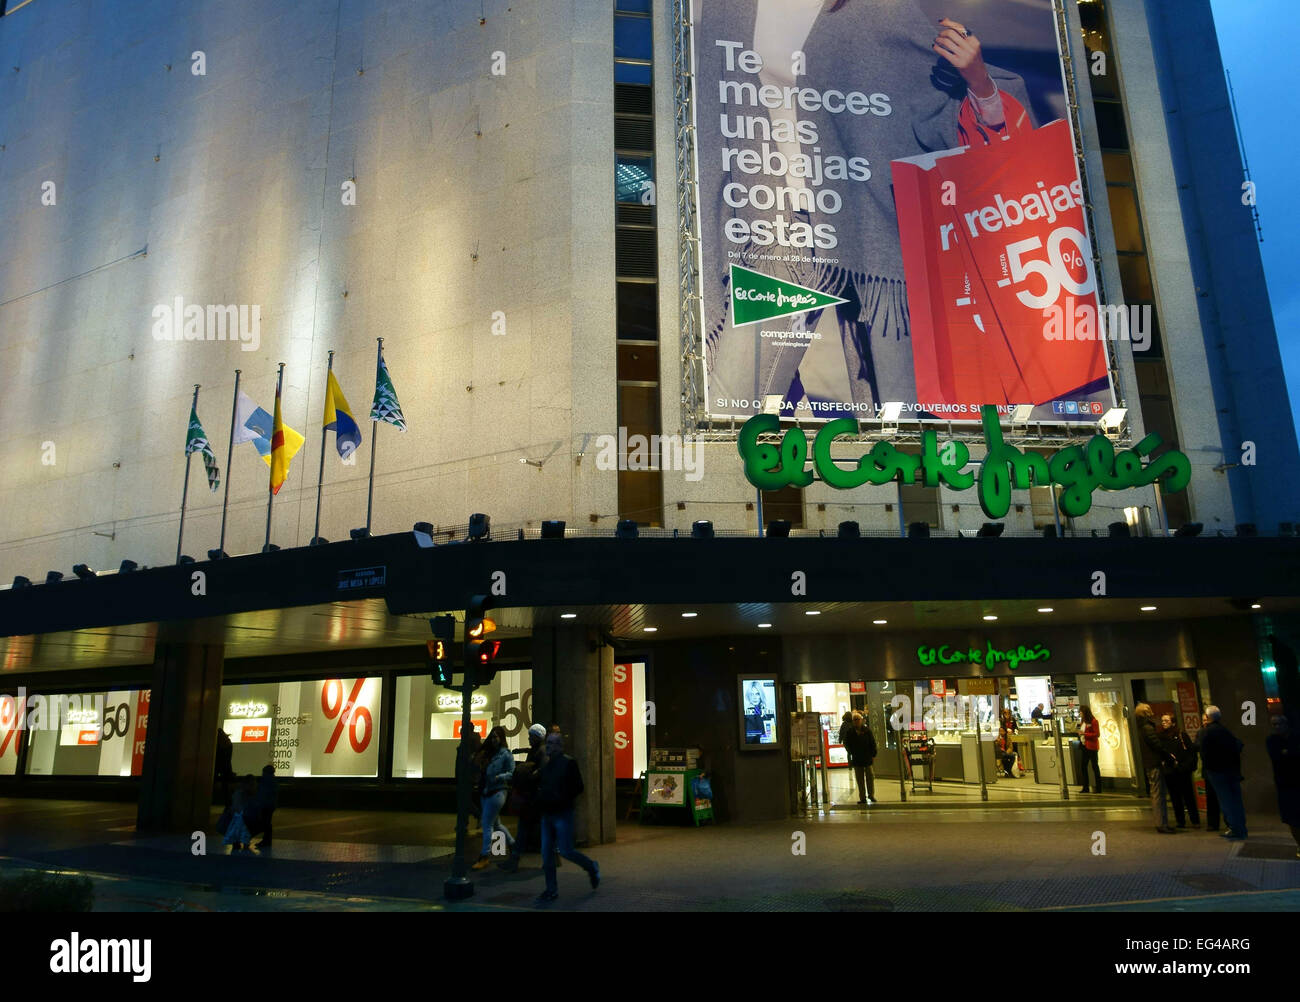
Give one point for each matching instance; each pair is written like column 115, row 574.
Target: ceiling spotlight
column 880, row 622
column 568, row 615
column 1047, row 608
column 1256, row 605
column 990, row 618
column 764, row 626
column 1148, row 608
column 692, row 615
column 812, row 612
column 649, row 629
column 83, row 571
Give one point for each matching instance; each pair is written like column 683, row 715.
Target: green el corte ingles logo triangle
column 756, row 297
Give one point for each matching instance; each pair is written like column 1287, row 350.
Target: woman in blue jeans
column 498, row 768
column 559, row 785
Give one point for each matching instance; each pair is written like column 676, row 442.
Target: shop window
column 1110, row 125
column 638, row 311
column 641, row 496
column 633, row 178
column 1124, row 218
column 785, row 504
column 325, row 727
column 81, row 734
column 638, row 362
column 920, row 504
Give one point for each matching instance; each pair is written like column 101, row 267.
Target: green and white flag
column 196, row 440
column 386, row 407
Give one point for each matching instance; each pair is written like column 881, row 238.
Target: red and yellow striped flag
column 285, row 443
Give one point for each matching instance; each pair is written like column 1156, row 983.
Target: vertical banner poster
column 343, row 736
column 884, row 224
column 624, row 732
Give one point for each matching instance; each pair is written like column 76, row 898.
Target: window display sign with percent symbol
column 10, row 735
column 344, row 742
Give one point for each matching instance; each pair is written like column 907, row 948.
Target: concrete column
column 180, row 751
column 573, row 686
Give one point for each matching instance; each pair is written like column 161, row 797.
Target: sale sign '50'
column 1057, row 271
column 346, row 714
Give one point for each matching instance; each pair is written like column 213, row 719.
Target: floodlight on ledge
column 1021, row 413
column 772, row 404
column 891, row 411
column 1113, row 420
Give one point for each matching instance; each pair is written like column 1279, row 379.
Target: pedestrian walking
column 1211, row 800
column 1090, row 736
column 1178, row 777
column 498, row 768
column 258, row 818
column 223, row 771
column 237, row 833
column 861, row 746
column 1284, row 751
column 523, row 798
column 560, row 784
column 1155, row 760
column 1221, row 752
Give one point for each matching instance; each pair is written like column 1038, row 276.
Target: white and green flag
column 196, row 440
column 386, row 407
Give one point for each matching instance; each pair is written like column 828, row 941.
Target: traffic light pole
column 458, row 886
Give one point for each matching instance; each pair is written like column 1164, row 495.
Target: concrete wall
column 475, row 193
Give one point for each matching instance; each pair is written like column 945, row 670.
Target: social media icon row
column 1077, row 407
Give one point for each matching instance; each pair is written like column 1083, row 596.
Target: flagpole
column 370, row 491
column 320, row 477
column 234, row 409
column 185, row 491
column 270, row 478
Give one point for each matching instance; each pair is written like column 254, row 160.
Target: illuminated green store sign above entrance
column 989, row 656
column 1078, row 469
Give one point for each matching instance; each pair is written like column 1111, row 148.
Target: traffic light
column 444, row 632
column 479, row 651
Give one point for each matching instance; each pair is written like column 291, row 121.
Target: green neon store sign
column 989, row 656
column 1078, row 469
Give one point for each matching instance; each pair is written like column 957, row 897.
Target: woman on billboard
column 820, row 211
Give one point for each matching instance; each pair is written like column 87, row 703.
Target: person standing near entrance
column 1284, row 750
column 559, row 785
column 1221, row 752
column 1211, row 800
column 862, row 749
column 525, row 798
column 1090, row 735
column 1155, row 760
column 1178, row 779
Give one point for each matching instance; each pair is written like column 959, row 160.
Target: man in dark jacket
column 1284, row 749
column 1155, row 760
column 860, row 744
column 559, row 785
column 1221, row 753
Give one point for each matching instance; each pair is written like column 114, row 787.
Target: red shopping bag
column 993, row 238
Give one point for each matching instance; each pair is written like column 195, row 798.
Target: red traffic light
column 484, row 650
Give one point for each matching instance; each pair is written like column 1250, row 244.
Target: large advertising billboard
column 891, row 213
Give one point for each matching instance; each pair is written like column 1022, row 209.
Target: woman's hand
column 962, row 49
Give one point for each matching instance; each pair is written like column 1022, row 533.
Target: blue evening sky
column 1258, row 50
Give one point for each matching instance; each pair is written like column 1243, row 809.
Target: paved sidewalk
column 936, row 860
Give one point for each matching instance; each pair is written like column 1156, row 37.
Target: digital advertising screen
column 758, row 712
column 891, row 213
